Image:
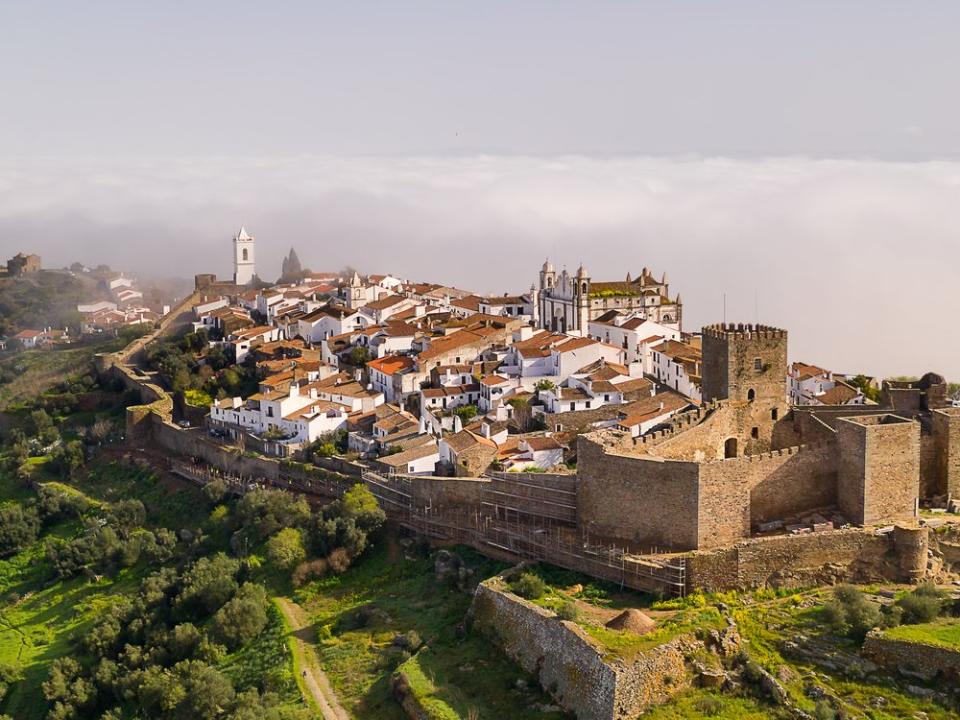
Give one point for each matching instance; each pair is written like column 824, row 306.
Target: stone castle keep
column 745, row 462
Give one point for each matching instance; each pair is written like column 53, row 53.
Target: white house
column 677, row 365
column 633, row 333
column 394, row 376
column 556, row 356
column 521, row 306
column 28, row 338
column 327, row 321
column 95, row 307
column 243, row 341
column 447, row 397
column 543, row 452
column 495, row 390
column 300, row 417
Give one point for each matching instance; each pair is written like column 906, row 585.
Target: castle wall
column 879, row 469
column 927, row 661
column 795, row 561
column 946, row 434
column 740, row 492
column 570, row 667
column 648, row 501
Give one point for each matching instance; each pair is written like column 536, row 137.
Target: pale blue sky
column 242, row 78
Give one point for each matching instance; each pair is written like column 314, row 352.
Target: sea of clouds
column 859, row 259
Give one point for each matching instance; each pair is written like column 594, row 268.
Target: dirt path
column 313, row 678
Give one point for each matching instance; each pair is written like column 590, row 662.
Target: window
column 773, row 414
column 758, row 364
column 606, row 398
column 755, row 433
column 751, row 394
column 573, row 406
column 245, row 255
column 588, row 404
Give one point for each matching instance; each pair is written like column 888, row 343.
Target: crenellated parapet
column 744, row 331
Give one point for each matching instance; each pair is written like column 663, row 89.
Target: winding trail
column 313, row 678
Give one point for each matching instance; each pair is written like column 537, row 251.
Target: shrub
column 19, row 527
column 708, row 706
column 529, row 586
column 339, row 560
column 308, row 571
column 209, row 582
column 850, row 613
column 824, row 710
column 568, row 611
column 285, row 549
column 409, row 641
column 242, row 618
column 922, row 605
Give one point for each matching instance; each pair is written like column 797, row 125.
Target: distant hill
column 42, row 299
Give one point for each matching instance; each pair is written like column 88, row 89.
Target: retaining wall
column 929, row 661
column 568, row 664
column 800, row 561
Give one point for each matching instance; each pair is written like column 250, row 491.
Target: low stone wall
column 339, row 465
column 929, row 662
column 570, row 667
column 797, row 561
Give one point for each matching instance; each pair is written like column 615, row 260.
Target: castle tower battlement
column 743, row 331
column 747, row 364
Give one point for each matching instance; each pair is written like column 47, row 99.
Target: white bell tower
column 243, row 267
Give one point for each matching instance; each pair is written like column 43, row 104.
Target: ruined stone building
column 21, row 264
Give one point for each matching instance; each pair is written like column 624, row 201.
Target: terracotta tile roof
column 493, row 380
column 392, row 364
column 542, row 443
column 678, row 351
column 417, row 452
column 470, row 302
column 385, row 302
column 839, row 394
column 466, row 439
column 649, row 408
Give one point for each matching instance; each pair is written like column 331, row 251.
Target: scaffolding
column 517, row 519
column 514, row 533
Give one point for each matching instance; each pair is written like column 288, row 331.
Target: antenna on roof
column 724, row 308
column 756, row 308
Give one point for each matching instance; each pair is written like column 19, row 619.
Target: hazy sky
column 807, row 156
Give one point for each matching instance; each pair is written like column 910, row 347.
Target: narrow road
column 313, row 678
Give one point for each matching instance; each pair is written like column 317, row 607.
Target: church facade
column 567, row 303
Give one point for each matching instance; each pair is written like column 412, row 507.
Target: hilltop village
column 578, row 422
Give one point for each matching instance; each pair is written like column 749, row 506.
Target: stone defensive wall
column 570, row 666
column 930, row 662
column 652, row 500
column 849, row 555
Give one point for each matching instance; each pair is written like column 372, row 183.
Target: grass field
column 700, row 703
column 40, row 616
column 944, row 632
column 464, row 674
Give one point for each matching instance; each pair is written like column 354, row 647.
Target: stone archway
column 730, row 448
